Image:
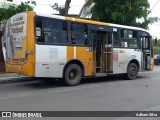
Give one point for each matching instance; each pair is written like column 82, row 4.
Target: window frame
column 128, row 47
column 45, row 43
column 70, row 33
column 118, row 37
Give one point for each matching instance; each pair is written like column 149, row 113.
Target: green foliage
column 125, row 12
column 156, row 50
column 60, row 9
column 63, row 10
column 158, row 42
column 6, row 13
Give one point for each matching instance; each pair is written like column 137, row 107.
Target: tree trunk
column 67, row 3
column 2, row 63
column 156, row 41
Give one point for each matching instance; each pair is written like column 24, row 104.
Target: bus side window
column 129, row 39
column 47, row 34
column 79, row 34
column 52, row 31
column 123, row 40
column 64, row 33
column 86, row 34
column 73, row 38
column 115, row 39
column 133, row 39
column 39, row 33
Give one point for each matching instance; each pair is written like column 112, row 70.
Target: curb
column 14, row 79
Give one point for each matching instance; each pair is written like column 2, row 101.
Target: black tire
column 132, row 71
column 72, row 75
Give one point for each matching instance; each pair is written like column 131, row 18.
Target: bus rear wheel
column 132, row 71
column 72, row 75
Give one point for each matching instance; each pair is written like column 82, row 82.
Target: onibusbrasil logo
column 21, row 114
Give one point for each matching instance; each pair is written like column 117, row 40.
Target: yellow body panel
column 70, row 53
column 21, row 69
column 31, row 41
column 22, row 66
column 83, row 55
column 86, row 21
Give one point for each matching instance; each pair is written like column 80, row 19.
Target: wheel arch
column 75, row 61
column 136, row 62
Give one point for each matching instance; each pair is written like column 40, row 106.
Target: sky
column 154, row 29
column 43, row 6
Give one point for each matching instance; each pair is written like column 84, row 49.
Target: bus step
column 101, row 74
column 109, row 71
column 98, row 69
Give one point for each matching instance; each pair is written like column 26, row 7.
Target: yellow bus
column 53, row 46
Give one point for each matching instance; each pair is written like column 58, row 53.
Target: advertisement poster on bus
column 16, row 36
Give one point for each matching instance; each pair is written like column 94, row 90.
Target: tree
column 7, row 12
column 67, row 6
column 63, row 10
column 125, row 12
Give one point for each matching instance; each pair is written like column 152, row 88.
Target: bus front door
column 146, row 53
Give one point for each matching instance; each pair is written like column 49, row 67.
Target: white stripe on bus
column 74, row 52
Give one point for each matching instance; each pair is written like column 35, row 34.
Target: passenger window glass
column 79, row 34
column 129, row 39
column 51, row 31
column 115, row 39
column 39, row 35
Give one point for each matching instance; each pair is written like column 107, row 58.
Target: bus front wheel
column 72, row 75
column 132, row 71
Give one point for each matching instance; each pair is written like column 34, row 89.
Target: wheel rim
column 133, row 71
column 72, row 74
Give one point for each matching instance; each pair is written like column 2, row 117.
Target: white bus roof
column 90, row 21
